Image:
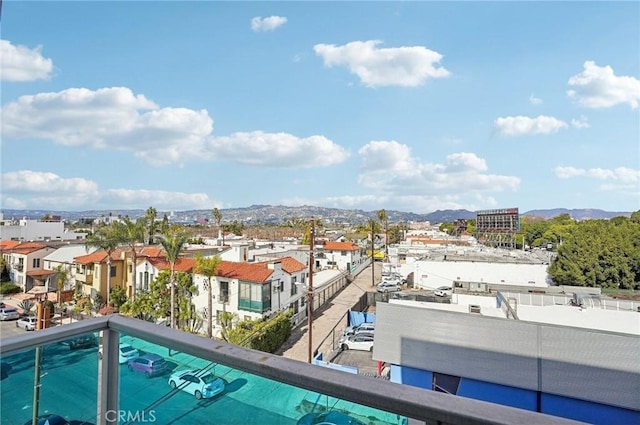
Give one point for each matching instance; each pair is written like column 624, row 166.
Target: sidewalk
column 328, row 316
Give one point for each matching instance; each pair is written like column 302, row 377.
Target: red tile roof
column 97, row 257
column 185, row 265
column 251, row 272
column 4, row 245
column 28, row 248
column 36, row 273
column 341, row 246
column 291, row 265
column 150, row 251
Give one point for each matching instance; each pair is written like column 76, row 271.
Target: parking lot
column 9, row 328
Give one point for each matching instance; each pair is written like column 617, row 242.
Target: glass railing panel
column 245, row 398
column 68, row 382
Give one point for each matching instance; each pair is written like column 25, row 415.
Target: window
column 113, row 271
column 36, row 263
column 294, row 287
column 224, row 292
column 343, row 253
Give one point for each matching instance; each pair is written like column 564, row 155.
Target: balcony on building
column 88, row 383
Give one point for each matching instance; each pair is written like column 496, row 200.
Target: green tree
column 173, row 243
column 154, row 304
column 208, row 268
column 151, row 224
column 108, row 240
column 384, row 220
column 130, row 234
column 118, row 296
column 61, row 280
column 217, row 216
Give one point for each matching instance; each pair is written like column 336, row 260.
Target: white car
column 202, row 384
column 362, row 327
column 28, row 323
column 9, row 314
column 362, row 341
column 443, row 291
column 125, row 353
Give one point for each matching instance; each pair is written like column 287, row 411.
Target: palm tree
column 106, row 239
column 152, row 225
column 208, row 268
column 130, row 234
column 173, row 242
column 217, row 215
column 63, row 275
column 382, row 216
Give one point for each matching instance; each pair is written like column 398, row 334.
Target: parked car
column 125, row 353
column 362, row 341
column 28, row 323
column 328, row 418
column 149, row 364
column 202, row 384
column 389, row 286
column 9, row 314
column 443, row 291
column 362, row 327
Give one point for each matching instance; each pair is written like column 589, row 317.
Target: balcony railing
column 260, row 387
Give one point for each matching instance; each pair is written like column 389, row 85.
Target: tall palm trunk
column 173, row 299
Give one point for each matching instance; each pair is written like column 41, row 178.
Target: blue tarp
column 354, row 318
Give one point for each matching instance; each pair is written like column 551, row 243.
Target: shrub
column 26, row 306
column 9, row 288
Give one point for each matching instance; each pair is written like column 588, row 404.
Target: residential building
column 25, row 261
column 344, row 256
column 98, row 272
column 36, row 230
column 63, row 257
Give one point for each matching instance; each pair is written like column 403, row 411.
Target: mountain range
column 275, row 214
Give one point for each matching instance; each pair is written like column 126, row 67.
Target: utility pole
column 310, row 292
column 373, row 258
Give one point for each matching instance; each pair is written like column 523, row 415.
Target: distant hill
column 577, row 214
column 276, row 214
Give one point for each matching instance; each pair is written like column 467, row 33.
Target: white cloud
column 519, row 125
column 568, row 172
column 599, row 87
column 387, row 166
column 278, row 150
column 117, row 119
column 46, row 190
column 399, row 66
column 37, row 189
column 260, row 24
column 20, row 63
column 535, row 100
column 580, row 123
column 618, row 179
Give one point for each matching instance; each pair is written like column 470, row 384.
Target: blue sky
column 410, row 106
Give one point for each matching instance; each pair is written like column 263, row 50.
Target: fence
column 541, row 300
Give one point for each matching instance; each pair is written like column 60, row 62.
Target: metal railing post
column 109, row 373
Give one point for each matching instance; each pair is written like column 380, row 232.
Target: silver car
column 9, row 314
column 388, row 286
